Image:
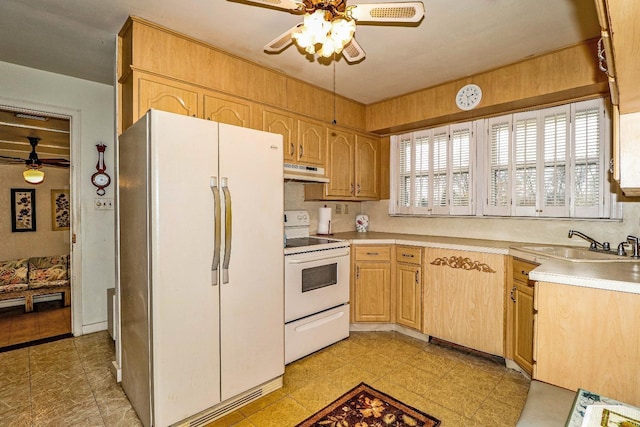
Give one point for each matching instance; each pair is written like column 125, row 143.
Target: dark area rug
column 364, row 404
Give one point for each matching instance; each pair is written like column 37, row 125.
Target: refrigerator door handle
column 224, row 183
column 216, row 238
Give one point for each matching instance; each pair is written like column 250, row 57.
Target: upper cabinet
column 620, row 36
column 353, row 163
column 304, row 141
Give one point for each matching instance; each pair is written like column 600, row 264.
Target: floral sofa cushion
column 13, row 275
column 48, row 271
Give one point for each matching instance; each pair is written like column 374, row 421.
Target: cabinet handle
column 292, row 150
column 352, row 188
column 525, row 273
column 357, row 272
column 373, row 253
column 358, row 192
column 513, row 298
column 301, row 151
column 408, row 255
column 417, row 278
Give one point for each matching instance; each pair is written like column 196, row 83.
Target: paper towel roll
column 324, row 220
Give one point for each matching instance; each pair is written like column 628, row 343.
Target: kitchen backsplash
column 294, row 200
column 550, row 231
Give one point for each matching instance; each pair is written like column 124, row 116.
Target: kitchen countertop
column 459, row 243
column 614, row 276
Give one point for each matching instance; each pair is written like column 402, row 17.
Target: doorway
column 36, row 199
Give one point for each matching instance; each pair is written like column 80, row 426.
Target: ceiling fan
column 34, row 161
column 329, row 25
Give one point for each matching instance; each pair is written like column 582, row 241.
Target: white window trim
column 480, row 176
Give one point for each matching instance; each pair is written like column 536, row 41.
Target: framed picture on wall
column 23, row 209
column 60, row 210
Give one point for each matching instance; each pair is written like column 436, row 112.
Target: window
column 545, row 163
column 435, row 171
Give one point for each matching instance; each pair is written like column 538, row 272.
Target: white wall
column 93, row 103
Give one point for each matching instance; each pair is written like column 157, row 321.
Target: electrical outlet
column 338, row 208
column 103, row 204
column 346, row 208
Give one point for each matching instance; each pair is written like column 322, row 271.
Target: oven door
column 315, row 281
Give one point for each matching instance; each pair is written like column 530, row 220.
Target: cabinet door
column 227, row 111
column 340, row 164
column 409, row 295
column 523, row 326
column 372, row 292
column 311, row 143
column 366, row 167
column 588, row 338
column 285, row 126
column 165, row 95
column 464, row 298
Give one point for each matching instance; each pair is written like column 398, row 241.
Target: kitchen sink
column 574, row 253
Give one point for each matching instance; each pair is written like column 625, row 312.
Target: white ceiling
column 456, row 38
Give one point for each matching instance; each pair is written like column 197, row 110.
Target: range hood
column 305, row 173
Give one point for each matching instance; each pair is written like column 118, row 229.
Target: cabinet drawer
column 373, row 253
column 409, row 255
column 521, row 270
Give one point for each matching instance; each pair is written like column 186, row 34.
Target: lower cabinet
column 521, row 298
column 588, row 338
column 409, row 286
column 463, row 298
column 371, row 290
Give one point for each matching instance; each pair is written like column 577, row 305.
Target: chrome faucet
column 635, row 245
column 593, row 243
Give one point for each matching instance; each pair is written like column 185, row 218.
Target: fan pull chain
column 334, row 89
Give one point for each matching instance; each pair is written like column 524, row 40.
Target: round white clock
column 468, row 97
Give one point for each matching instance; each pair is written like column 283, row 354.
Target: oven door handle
column 305, row 260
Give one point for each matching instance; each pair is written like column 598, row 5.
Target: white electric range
column 316, row 281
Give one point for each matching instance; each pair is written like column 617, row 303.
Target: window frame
column 480, row 167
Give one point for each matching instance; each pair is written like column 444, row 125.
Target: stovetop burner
column 299, row 242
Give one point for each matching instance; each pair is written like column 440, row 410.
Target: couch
column 28, row 277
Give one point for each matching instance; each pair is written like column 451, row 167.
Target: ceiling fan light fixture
column 317, row 31
column 33, row 175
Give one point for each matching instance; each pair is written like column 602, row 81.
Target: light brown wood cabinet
column 224, row 109
column 149, row 91
column 408, row 286
column 620, row 41
column 521, row 300
column 371, row 284
column 463, row 298
column 352, row 167
column 304, row 141
column 588, row 338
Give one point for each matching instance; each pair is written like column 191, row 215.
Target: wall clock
column 101, row 179
column 468, row 97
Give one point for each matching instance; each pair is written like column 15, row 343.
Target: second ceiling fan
column 329, row 25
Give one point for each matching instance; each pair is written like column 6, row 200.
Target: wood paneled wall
column 560, row 76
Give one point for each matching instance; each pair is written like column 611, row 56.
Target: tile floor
column 48, row 319
column 68, row 382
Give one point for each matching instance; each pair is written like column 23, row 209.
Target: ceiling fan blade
column 7, row 160
column 282, row 41
column 59, row 163
column 292, row 5
column 411, row 11
column 352, row 52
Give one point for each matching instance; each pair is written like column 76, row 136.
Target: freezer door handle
column 216, row 230
column 224, row 183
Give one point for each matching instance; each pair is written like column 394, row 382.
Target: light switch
column 103, row 204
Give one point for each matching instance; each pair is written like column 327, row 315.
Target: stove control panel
column 296, row 218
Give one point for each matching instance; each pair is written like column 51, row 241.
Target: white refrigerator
column 201, row 266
